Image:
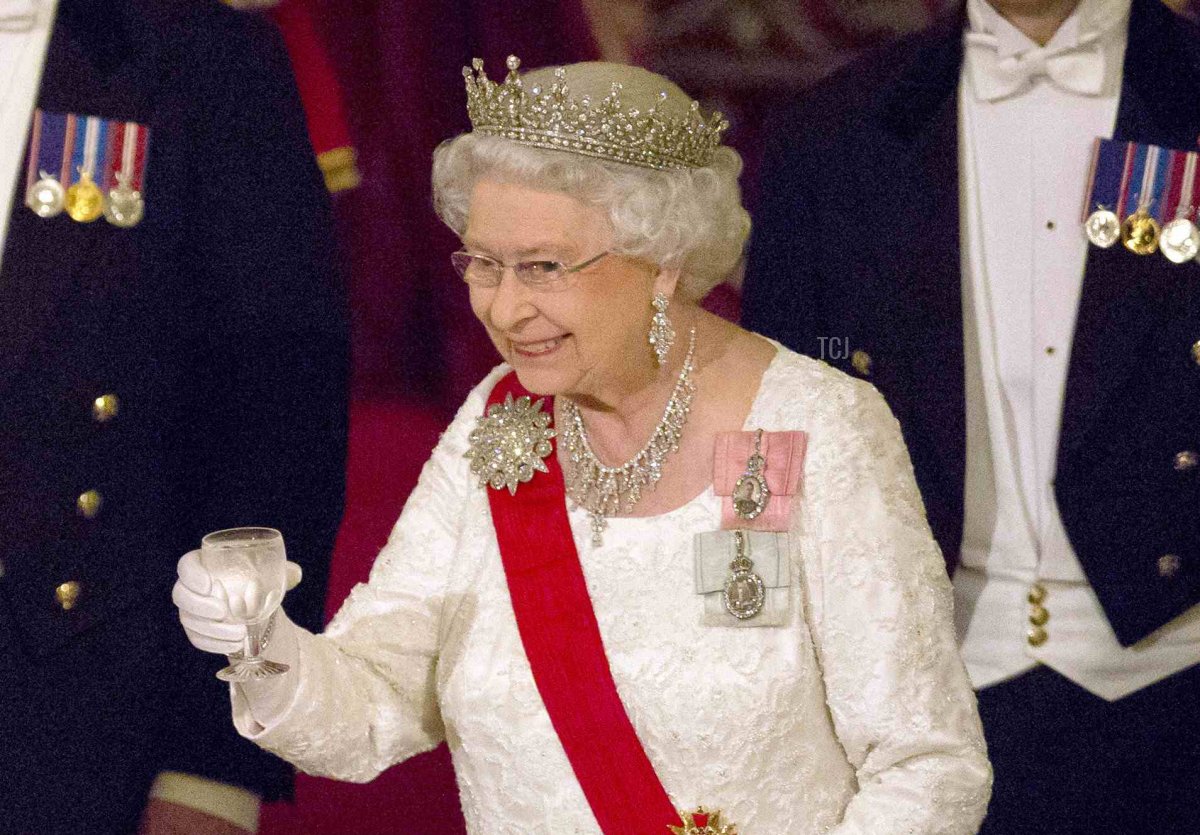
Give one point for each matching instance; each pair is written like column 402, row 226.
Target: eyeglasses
column 481, row 271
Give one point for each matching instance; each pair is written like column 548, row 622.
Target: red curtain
column 401, row 67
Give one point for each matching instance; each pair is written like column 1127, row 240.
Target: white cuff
column 231, row 803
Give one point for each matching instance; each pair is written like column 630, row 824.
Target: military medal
column 1141, row 231
column 701, row 822
column 1103, row 228
column 744, row 593
column 85, row 200
column 87, row 166
column 750, row 493
column 1180, row 239
column 125, row 206
column 44, row 194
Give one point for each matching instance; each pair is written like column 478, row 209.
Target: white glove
column 213, row 621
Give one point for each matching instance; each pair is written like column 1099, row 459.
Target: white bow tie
column 1076, row 69
column 17, row 15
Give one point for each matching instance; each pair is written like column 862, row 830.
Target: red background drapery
column 401, row 65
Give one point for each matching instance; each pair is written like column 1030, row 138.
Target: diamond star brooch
column 509, row 443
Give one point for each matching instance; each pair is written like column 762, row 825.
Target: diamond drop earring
column 662, row 335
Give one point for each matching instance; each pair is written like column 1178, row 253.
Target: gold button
column 1037, row 636
column 1037, row 593
column 1039, row 615
column 861, row 361
column 67, row 594
column 105, row 408
column 1169, row 565
column 1196, row 351
column 89, row 503
column 1186, row 460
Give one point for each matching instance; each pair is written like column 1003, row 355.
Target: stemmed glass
column 248, row 567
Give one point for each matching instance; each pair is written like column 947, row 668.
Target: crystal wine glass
column 248, row 568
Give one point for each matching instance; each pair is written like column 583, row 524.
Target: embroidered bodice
column 852, row 715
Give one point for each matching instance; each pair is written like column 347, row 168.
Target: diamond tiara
column 604, row 128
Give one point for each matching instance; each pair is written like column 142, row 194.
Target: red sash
column 562, row 642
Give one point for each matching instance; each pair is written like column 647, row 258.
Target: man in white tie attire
column 921, row 226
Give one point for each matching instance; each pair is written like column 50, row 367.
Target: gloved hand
column 213, row 621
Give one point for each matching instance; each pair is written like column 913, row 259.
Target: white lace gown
column 854, row 716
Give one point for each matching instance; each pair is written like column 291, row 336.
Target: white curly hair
column 690, row 218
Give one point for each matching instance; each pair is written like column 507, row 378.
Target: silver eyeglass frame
column 525, row 271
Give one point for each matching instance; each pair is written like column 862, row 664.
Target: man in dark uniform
column 920, row 227
column 160, row 378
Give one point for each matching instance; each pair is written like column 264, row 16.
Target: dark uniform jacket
column 855, row 255
column 218, row 324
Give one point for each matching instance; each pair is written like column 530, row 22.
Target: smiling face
column 585, row 340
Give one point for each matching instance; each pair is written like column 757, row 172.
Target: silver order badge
column 744, row 593
column 1103, row 228
column 46, row 197
column 750, row 493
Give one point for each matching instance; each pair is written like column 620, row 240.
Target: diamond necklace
column 605, row 491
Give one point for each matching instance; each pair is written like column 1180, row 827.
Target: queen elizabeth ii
column 660, row 574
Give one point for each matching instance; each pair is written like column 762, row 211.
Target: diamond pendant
column 598, row 523
column 750, row 493
column 744, row 593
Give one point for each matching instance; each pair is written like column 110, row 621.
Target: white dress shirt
column 22, row 54
column 1025, row 158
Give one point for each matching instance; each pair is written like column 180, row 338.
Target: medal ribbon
column 1126, row 178
column 1109, row 177
column 89, row 150
column 1147, row 170
column 1185, row 207
column 1173, row 184
column 129, row 153
column 35, row 148
column 1092, row 201
column 129, row 144
column 1158, row 165
column 112, row 133
column 68, row 153
column 51, row 141
column 566, row 652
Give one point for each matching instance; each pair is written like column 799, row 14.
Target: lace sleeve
column 367, row 697
column 899, row 697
